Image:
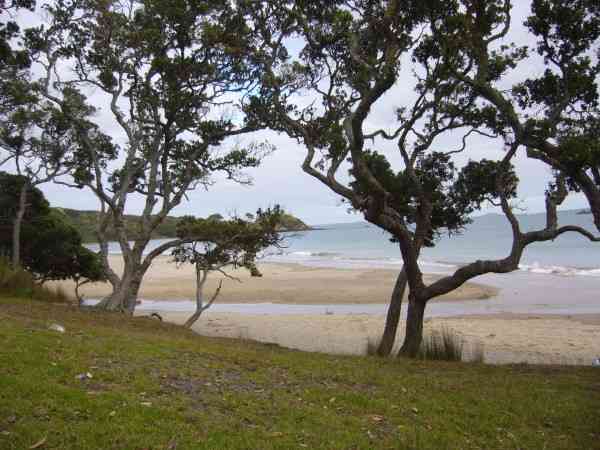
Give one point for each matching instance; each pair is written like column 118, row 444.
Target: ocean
column 361, row 244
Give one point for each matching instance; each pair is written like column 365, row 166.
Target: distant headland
column 85, row 222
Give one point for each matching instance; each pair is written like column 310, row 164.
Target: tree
column 10, row 193
column 51, row 248
column 14, row 59
column 173, row 76
column 353, row 55
column 233, row 243
column 555, row 115
column 40, row 142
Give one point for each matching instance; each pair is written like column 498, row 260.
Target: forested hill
column 85, row 222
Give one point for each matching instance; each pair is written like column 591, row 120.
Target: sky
column 280, row 179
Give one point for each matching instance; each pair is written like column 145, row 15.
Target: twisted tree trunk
column 386, row 344
column 125, row 292
column 414, row 327
column 201, row 276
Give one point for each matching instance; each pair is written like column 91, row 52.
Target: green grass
column 158, row 386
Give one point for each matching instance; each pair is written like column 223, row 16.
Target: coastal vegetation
column 50, row 248
column 422, row 175
column 182, row 84
column 225, row 244
column 140, row 103
column 111, row 381
column 176, row 78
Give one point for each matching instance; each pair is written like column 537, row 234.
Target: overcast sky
column 280, row 180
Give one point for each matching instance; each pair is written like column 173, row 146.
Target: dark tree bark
column 386, row 344
column 414, row 328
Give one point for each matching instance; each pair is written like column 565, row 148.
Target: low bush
column 444, row 345
column 20, row 283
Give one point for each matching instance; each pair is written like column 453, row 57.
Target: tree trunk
column 16, row 250
column 201, row 276
column 193, row 318
column 386, row 344
column 414, row 328
column 125, row 293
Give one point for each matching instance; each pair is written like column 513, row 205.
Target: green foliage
column 179, row 60
column 483, row 181
column 14, row 61
column 453, row 194
column 51, row 248
column 213, row 243
column 10, row 188
column 288, row 222
column 86, row 222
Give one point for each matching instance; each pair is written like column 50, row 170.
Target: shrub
column 20, row 283
column 444, row 345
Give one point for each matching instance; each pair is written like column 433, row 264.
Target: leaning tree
column 353, row 59
column 173, row 76
column 225, row 244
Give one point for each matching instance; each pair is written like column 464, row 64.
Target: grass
column 20, row 283
column 158, row 386
column 444, row 345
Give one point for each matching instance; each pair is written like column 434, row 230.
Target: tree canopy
column 174, row 77
column 51, row 248
column 216, row 244
column 354, row 54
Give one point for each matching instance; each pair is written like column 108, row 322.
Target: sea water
column 361, row 244
column 487, row 237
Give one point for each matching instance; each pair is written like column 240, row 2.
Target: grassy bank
column 157, row 386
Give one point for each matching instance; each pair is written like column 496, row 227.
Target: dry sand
column 504, row 338
column 280, row 283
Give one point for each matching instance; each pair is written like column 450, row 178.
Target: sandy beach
column 280, row 283
column 505, row 338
